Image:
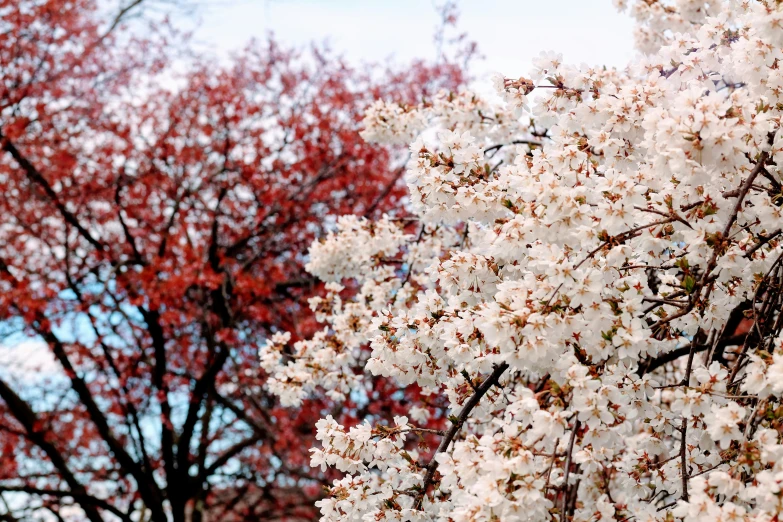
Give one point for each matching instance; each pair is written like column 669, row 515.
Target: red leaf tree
column 153, row 230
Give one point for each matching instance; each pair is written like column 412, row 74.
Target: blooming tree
column 575, row 285
column 155, row 215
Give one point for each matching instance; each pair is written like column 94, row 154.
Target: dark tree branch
column 456, row 426
column 81, row 498
column 36, row 177
column 27, row 418
column 144, row 482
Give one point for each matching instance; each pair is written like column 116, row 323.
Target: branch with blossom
column 595, row 291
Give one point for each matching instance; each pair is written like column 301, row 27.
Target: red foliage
column 153, row 231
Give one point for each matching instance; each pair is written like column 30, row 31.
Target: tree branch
column 473, row 401
column 28, row 419
column 80, row 498
column 36, row 177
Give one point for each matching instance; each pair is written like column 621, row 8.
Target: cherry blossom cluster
column 591, row 281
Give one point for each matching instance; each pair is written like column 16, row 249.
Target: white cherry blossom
column 587, row 292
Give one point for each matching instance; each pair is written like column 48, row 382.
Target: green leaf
column 688, row 283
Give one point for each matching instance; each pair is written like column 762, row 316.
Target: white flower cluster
column 354, row 248
column 591, row 287
column 392, row 123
